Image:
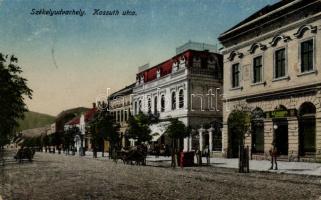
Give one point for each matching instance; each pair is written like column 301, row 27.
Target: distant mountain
column 75, row 111
column 35, row 120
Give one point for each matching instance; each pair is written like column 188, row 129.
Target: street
column 53, row 176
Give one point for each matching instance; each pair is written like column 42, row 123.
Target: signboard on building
column 281, row 113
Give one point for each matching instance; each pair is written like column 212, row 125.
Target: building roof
column 198, row 46
column 264, row 12
column 122, row 92
column 88, row 116
column 74, row 121
column 166, row 66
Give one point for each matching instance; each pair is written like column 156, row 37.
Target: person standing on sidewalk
column 274, row 153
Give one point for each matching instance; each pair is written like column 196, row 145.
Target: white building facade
column 188, row 87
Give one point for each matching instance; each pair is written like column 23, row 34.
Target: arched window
column 125, row 115
column 121, row 115
column 307, row 129
column 149, row 104
column 173, row 100
column 155, row 104
column 135, row 108
column 140, row 106
column 162, row 103
column 181, row 99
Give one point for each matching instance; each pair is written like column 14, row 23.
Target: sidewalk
column 303, row 168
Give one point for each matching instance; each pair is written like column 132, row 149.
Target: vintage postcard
column 160, row 99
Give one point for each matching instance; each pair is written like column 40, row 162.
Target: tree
column 93, row 132
column 239, row 123
column 176, row 130
column 138, row 128
column 69, row 137
column 13, row 91
column 107, row 129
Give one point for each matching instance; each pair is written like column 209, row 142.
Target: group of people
column 206, row 152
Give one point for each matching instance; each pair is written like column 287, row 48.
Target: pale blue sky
column 93, row 53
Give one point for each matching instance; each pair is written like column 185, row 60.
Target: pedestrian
column 181, row 157
column 199, row 157
column 274, row 153
column 207, row 154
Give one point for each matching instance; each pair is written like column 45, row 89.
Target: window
column 257, row 69
column 112, row 115
column 149, row 105
column 125, row 115
column 181, row 99
column 217, row 141
column 135, row 108
column 121, row 115
column 307, row 56
column 203, row 63
column 155, row 105
column 162, row 103
column 173, row 100
column 235, row 75
column 279, row 69
column 140, row 106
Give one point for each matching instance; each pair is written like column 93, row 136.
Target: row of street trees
column 13, row 92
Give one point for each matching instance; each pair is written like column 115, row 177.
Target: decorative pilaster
column 318, row 137
column 268, row 136
column 225, row 139
column 210, row 138
column 190, row 142
column 248, row 140
column 293, row 138
column 186, row 145
column 200, row 131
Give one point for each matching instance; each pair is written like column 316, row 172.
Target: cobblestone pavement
column 53, row 176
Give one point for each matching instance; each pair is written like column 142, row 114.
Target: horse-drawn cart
column 133, row 156
column 25, row 154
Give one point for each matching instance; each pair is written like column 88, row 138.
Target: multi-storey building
column 120, row 107
column 81, row 122
column 188, row 87
column 272, row 65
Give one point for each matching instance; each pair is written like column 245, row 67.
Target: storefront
column 295, row 131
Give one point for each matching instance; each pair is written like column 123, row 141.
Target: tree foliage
column 68, row 137
column 138, row 128
column 103, row 127
column 239, row 122
column 176, row 130
column 13, row 91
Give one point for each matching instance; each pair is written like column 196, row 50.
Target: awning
column 157, row 130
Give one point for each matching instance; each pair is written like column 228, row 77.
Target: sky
column 71, row 60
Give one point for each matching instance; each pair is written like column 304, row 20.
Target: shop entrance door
column 281, row 136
